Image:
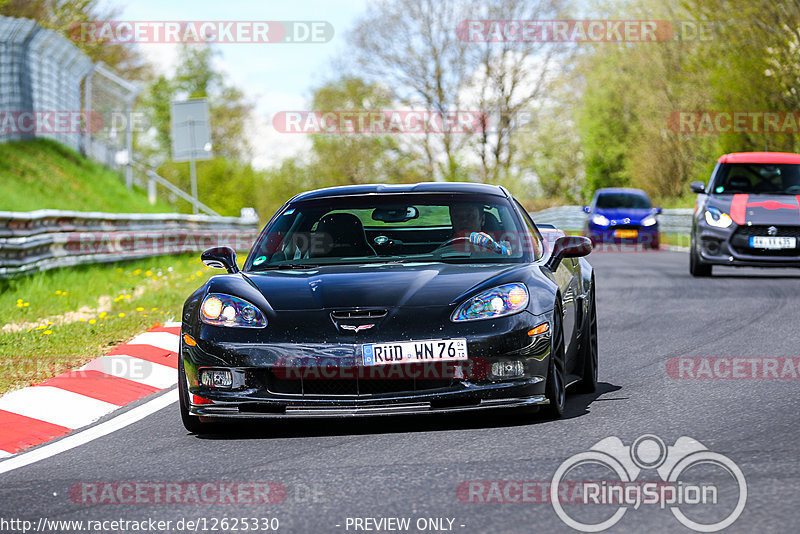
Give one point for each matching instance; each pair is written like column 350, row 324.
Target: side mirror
column 587, row 209
column 568, row 247
column 220, row 258
column 658, row 210
column 698, row 187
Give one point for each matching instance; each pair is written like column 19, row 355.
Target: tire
column 555, row 389
column 588, row 383
column 697, row 268
column 192, row 423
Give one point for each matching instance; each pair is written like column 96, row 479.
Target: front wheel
column 192, row 423
column 555, row 388
column 588, row 383
column 696, row 266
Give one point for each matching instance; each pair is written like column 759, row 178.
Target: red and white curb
column 75, row 399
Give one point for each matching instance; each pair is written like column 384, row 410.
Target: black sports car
column 750, row 213
column 390, row 299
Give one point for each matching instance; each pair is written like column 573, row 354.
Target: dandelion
column 19, row 304
column 127, row 297
column 41, row 327
column 82, row 320
column 145, row 315
column 102, row 315
column 58, row 291
column 148, row 273
column 49, row 322
column 139, row 309
column 26, row 304
column 153, row 309
column 63, row 293
column 47, row 332
column 121, row 314
column 199, row 274
column 92, row 321
column 137, row 272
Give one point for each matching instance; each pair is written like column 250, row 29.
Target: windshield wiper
column 287, row 266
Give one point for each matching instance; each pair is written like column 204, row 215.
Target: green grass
column 42, row 174
column 47, row 336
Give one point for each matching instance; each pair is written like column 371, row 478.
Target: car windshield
column 394, row 228
column 758, row 178
column 610, row 201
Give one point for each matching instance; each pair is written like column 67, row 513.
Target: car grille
column 740, row 240
column 300, row 384
column 357, row 315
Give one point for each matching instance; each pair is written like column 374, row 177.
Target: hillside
column 42, row 174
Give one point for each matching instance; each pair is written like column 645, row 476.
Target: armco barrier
column 573, row 219
column 45, row 239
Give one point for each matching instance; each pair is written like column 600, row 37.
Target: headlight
column 600, row 220
column 650, row 220
column 496, row 302
column 717, row 218
column 224, row 310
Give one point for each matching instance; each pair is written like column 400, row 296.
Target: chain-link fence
column 41, row 73
column 49, row 88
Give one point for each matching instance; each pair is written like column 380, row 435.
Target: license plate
column 626, row 234
column 432, row 350
column 773, row 242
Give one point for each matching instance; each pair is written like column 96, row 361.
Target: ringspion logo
column 704, row 490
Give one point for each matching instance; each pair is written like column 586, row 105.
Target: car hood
column 619, row 215
column 366, row 286
column 759, row 209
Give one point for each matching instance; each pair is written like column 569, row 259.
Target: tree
column 357, row 158
column 415, row 48
column 63, row 16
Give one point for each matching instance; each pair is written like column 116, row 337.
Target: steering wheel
column 490, row 245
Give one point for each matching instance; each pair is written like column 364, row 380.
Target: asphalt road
column 650, row 310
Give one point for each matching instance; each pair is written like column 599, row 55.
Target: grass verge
column 41, row 174
column 58, row 320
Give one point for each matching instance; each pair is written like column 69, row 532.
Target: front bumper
column 278, row 380
column 645, row 235
column 726, row 246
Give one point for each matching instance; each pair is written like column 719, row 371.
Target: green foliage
column 223, row 184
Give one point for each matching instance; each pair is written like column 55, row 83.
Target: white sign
column 191, row 136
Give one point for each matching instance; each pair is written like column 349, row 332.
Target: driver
column 467, row 221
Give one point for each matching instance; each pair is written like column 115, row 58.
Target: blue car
column 622, row 215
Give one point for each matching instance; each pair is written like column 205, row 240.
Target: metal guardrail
column 573, row 219
column 46, row 239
